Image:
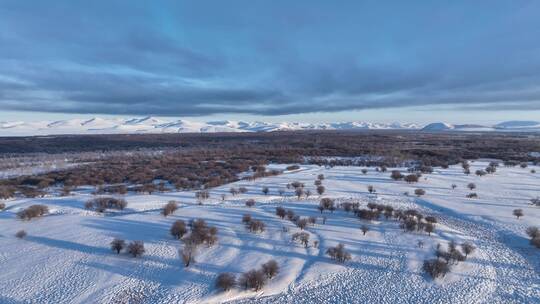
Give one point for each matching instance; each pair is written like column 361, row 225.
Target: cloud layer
column 192, row 58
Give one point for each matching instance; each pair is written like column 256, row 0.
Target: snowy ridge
column 157, row 125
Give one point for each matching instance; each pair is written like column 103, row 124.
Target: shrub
column 290, row 215
column 178, row 229
column 431, row 219
column 327, row 203
column 320, row 190
column 32, row 212
column 225, row 281
column 265, row 190
column 517, row 213
column 136, row 248
column 370, row 189
column 454, row 186
column 250, row 203
column 270, row 268
column 472, row 195
column 320, row 177
column 21, row 234
column 419, row 192
column 364, row 171
column 471, row 186
column 339, row 253
column 253, row 279
column 536, row 201
column 312, row 220
column 293, row 167
column 435, row 268
column 117, row 245
column 243, row 190
column 2, row 206
column 170, row 208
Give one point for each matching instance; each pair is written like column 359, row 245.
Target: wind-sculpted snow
column 66, row 256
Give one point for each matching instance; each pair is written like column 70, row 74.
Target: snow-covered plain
column 66, row 256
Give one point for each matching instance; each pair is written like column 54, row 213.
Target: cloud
column 184, row 59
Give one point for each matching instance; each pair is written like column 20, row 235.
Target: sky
column 313, row 61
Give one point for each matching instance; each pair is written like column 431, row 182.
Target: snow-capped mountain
column 517, row 126
column 158, row 125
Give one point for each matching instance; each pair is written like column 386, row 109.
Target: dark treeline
column 196, row 161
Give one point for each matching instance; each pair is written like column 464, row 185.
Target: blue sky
column 411, row 61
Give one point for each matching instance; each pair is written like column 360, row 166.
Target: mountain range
column 157, row 125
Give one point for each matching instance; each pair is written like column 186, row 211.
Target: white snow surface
column 66, row 257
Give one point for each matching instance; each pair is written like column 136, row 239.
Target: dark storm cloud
column 197, row 57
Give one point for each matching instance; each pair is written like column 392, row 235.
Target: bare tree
column 170, row 208
column 370, row 189
column 533, row 232
column 364, row 229
column 467, row 248
column 454, row 186
column 246, row 219
column 270, row 268
column 302, row 223
column 281, row 212
column 225, row 281
column 178, row 229
column 471, row 186
column 320, row 190
column 117, row 245
column 517, row 213
column 265, row 190
column 419, row 192
column 320, row 177
column 136, row 248
column 253, row 279
column 339, row 253
column 429, row 228
column 364, row 171
column 436, row 268
column 188, row 252
column 299, row 192
column 250, row 202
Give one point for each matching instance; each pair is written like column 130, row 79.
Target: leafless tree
column 429, row 228
column 471, row 186
column 136, row 248
column 32, row 212
column 339, row 253
column 246, row 219
column 364, row 229
column 253, row 279
column 419, row 192
column 225, row 281
column 265, row 190
column 270, row 268
column 517, row 213
column 117, row 245
column 370, row 189
column 436, row 268
column 281, row 212
column 320, row 190
column 169, row 208
column 467, row 248
column 364, row 171
column 178, row 229
column 299, row 192
column 188, row 252
column 533, row 232
column 250, row 202
column 320, row 177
